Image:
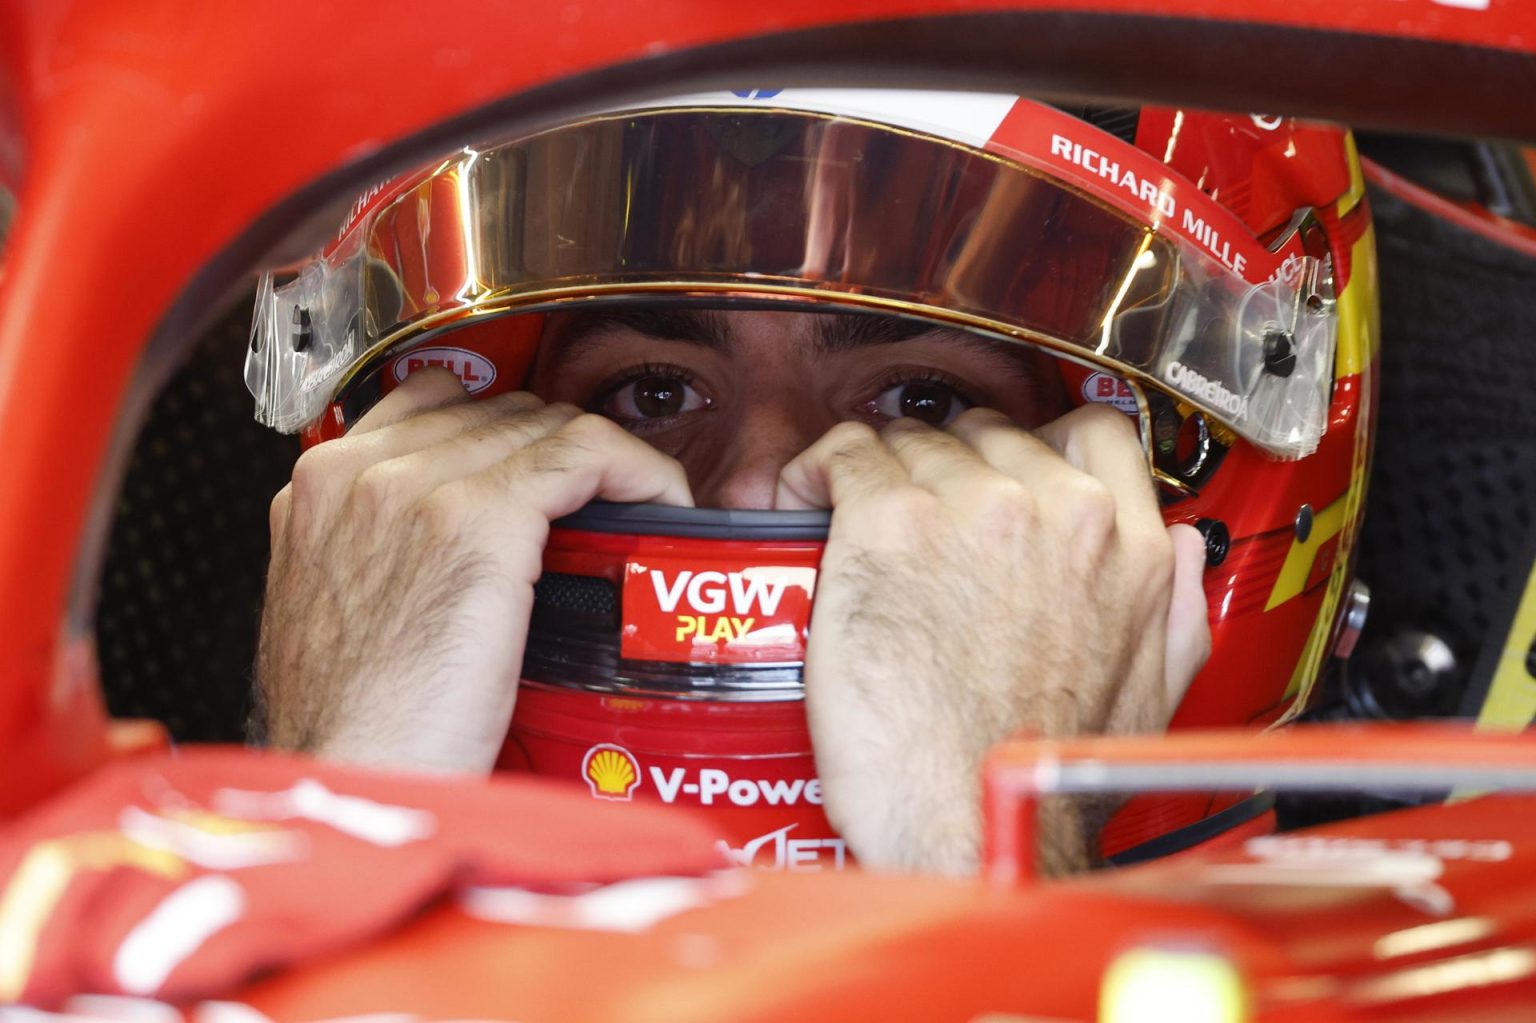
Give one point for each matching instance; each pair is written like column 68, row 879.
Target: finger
column 1013, row 451
column 589, row 458
column 1103, row 443
column 277, row 514
column 848, row 462
column 935, row 460
column 422, row 470
column 1189, row 628
column 348, row 458
column 425, row 389
column 435, row 423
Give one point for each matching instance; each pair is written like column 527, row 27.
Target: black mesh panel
column 1450, row 506
column 579, row 594
column 186, row 558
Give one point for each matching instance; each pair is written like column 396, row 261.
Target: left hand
column 979, row 580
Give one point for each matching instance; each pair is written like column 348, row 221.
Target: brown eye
column 659, row 396
column 930, row 401
column 653, row 396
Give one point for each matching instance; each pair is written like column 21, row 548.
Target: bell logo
column 1104, row 389
column 475, row 371
column 611, row 772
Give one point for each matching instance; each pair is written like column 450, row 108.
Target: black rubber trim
column 698, row 523
column 1192, row 835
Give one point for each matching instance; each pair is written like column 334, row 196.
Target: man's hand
column 403, row 562
column 977, row 581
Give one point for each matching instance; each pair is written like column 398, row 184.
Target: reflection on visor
column 715, row 202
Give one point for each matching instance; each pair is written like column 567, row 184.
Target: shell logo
column 611, row 772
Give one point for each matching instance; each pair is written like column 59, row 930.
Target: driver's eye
column 653, row 396
column 928, row 400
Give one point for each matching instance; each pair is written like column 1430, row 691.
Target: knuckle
column 463, row 415
column 379, row 487
column 1089, row 505
column 1160, row 552
column 516, row 401
column 591, row 426
column 1153, row 554
column 848, row 436
column 980, row 416
column 904, row 505
column 518, row 430
column 1103, row 424
column 1089, row 495
column 535, row 434
column 910, row 433
column 557, row 453
column 440, row 513
column 571, row 409
column 1105, row 417
column 319, row 470
column 1004, row 504
column 456, row 416
column 578, row 444
column 277, row 511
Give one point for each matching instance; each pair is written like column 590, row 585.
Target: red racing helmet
column 1210, row 275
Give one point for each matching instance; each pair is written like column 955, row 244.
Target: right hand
column 980, row 580
column 403, row 561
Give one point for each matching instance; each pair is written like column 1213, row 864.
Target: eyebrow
column 706, row 328
column 832, row 333
column 842, row 332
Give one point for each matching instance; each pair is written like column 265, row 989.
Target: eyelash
column 926, row 375
column 895, row 377
column 640, row 372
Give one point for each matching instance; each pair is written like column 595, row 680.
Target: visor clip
column 303, row 333
column 1279, row 353
column 1218, row 540
column 1303, row 523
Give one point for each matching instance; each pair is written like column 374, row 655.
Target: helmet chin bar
column 618, row 610
column 665, row 661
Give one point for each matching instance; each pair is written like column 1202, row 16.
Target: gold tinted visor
column 716, row 202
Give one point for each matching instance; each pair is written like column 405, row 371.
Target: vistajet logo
column 777, row 851
column 1209, row 391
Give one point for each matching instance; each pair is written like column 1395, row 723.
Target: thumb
column 1189, row 628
